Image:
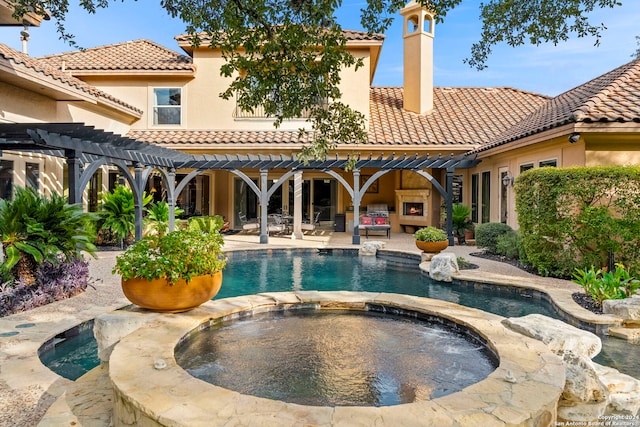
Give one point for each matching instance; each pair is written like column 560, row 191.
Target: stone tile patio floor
column 28, row 389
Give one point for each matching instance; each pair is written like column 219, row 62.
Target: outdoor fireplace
column 414, row 205
column 412, row 209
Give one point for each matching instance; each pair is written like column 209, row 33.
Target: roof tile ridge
column 54, row 73
column 582, row 111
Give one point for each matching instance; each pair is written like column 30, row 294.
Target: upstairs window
column 167, row 106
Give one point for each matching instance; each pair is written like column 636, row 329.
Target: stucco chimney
column 418, row 58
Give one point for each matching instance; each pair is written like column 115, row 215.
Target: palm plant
column 36, row 229
column 461, row 219
column 157, row 218
column 118, row 212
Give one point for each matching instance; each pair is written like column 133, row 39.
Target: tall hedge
column 575, row 217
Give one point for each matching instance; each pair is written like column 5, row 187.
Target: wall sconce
column 574, row 137
column 507, row 180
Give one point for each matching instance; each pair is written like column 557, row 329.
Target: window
column 474, row 197
column 32, row 175
column 457, row 189
column 167, row 106
column 548, row 163
column 6, row 179
column 526, row 167
column 486, row 197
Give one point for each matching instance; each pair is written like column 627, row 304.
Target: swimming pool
column 253, row 272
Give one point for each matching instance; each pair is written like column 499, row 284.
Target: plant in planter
column 173, row 272
column 431, row 239
column 461, row 219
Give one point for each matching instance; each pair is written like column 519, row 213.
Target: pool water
column 250, row 273
column 336, row 357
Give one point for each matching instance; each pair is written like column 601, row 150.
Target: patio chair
column 275, row 223
column 310, row 226
column 246, row 224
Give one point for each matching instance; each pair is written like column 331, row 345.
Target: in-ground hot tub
column 152, row 389
column 373, row 357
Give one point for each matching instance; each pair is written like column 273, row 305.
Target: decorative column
column 297, row 206
column 74, row 165
column 448, row 201
column 355, row 239
column 264, row 204
column 137, row 197
column 171, row 198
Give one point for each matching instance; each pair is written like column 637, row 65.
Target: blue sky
column 546, row 69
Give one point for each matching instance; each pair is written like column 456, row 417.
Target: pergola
column 86, row 149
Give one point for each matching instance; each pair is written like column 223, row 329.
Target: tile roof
column 462, row 116
column 21, row 60
column 350, row 35
column 611, row 97
column 136, row 55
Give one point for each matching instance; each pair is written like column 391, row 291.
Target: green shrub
column 575, row 217
column 508, row 244
column 487, row 235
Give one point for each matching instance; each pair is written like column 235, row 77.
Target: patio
column 28, row 389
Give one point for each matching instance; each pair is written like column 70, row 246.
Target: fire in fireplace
column 412, row 209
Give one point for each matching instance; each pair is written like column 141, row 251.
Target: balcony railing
column 259, row 113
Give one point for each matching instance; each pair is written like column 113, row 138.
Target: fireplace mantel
column 412, row 206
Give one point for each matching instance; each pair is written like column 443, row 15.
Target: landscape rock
column 370, row 248
column 624, row 391
column 559, row 336
column 110, row 328
column 628, row 308
column 443, row 266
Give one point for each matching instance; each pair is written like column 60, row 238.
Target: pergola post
column 297, row 206
column 171, row 199
column 355, row 239
column 448, row 201
column 74, row 165
column 138, row 200
column 264, row 204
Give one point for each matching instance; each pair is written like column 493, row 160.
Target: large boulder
column 624, row 391
column 627, row 309
column 560, row 337
column 443, row 266
column 370, row 248
column 591, row 391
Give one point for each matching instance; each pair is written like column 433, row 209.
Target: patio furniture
column 246, row 224
column 376, row 220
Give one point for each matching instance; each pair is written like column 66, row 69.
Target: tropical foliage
column 35, row 229
column 157, row 218
column 461, row 220
column 180, row 254
column 118, row 212
column 205, row 224
column 601, row 284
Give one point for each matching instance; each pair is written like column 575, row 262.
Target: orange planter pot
column 159, row 295
column 432, row 247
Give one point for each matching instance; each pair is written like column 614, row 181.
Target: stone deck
column 28, row 389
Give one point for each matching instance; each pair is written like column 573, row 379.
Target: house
column 435, row 145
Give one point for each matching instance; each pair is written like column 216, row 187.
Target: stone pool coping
column 524, row 389
column 560, row 299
